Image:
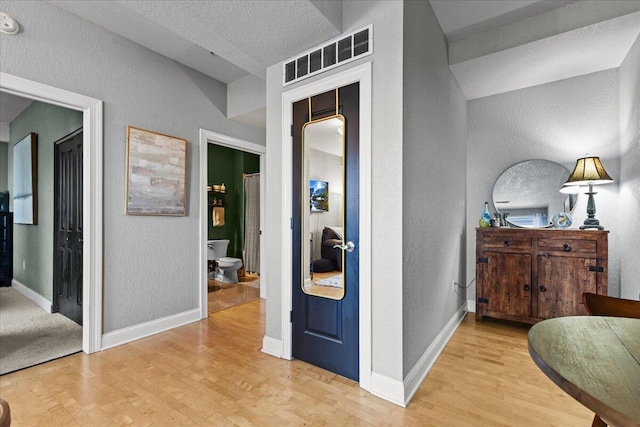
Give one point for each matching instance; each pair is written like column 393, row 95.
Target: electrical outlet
column 24, row 264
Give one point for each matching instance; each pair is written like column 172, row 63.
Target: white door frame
column 362, row 74
column 207, row 137
column 92, row 164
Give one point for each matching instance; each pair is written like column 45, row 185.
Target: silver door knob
column 349, row 246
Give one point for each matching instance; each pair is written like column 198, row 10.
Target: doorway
column 326, row 182
column 361, row 74
column 208, row 216
column 92, row 194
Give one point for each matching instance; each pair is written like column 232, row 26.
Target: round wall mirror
column 529, row 192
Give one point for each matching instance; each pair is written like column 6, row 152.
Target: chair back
column 602, row 305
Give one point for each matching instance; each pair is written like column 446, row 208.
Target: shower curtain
column 252, row 223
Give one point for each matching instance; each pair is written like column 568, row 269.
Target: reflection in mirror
column 323, row 218
column 529, row 192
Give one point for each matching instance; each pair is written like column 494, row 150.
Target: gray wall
column 33, row 244
column 559, row 121
column 433, row 183
column 4, row 165
column 630, row 174
column 386, row 186
column 150, row 263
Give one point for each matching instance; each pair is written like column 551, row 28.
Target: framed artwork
column 156, row 173
column 25, row 180
column 218, row 216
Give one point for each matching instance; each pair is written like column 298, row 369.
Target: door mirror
column 323, row 182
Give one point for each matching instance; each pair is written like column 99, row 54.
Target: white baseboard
column 415, row 377
column 388, row 389
column 471, row 305
column 32, row 295
column 272, row 346
column 135, row 332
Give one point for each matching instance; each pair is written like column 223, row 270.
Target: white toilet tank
column 217, row 249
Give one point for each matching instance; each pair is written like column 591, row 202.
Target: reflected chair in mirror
column 602, row 305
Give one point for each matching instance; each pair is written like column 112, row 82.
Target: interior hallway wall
column 630, row 174
column 151, row 267
column 559, row 121
column 33, row 244
column 433, row 183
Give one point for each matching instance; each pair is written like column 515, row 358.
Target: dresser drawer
column 567, row 245
column 507, row 243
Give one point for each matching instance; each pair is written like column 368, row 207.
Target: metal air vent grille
column 339, row 51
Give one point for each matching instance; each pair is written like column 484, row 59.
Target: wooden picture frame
column 156, row 173
column 25, row 180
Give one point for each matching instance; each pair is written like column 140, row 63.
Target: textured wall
column 433, row 183
column 34, row 243
column 559, row 121
column 150, row 262
column 386, row 187
column 630, row 174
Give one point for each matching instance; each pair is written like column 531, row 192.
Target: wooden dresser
column 529, row 275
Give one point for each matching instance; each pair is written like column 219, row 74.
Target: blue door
column 325, row 212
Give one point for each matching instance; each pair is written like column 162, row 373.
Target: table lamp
column 589, row 171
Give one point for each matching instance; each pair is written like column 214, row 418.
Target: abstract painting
column 156, row 173
column 25, row 180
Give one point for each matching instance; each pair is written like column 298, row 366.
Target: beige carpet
column 29, row 335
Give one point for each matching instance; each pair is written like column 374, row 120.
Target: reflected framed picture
column 156, row 173
column 25, row 180
column 319, row 196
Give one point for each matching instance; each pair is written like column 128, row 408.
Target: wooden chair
column 602, row 305
column 5, row 413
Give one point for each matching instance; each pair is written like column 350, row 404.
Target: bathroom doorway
column 233, row 212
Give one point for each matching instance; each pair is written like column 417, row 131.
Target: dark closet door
column 67, row 282
column 325, row 332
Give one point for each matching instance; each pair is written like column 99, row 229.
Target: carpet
column 30, row 336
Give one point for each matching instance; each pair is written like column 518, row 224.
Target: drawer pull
column 506, row 243
column 543, row 289
column 527, row 287
column 566, row 247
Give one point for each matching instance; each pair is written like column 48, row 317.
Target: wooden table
column 594, row 359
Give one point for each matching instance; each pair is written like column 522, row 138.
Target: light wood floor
column 225, row 295
column 213, row 373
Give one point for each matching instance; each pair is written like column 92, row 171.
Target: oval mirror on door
column 323, row 182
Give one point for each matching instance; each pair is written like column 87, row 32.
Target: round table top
column 594, row 359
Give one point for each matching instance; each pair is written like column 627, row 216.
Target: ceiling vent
column 341, row 50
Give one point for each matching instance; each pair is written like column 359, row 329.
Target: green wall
column 226, row 165
column 34, row 243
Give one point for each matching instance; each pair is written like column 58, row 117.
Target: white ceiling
column 460, row 19
column 495, row 46
column 246, row 36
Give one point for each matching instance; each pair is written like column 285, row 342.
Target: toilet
column 227, row 271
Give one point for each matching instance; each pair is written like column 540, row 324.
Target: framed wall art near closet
column 25, row 180
column 156, row 173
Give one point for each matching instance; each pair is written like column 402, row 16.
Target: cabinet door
column 561, row 282
column 506, row 284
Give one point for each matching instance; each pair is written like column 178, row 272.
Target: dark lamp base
column 591, row 223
